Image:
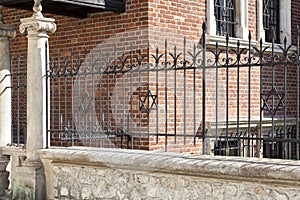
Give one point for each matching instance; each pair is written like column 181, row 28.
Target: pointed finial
column 260, row 42
column 249, row 35
column 37, row 8
column 204, row 27
column 227, row 37
column 285, row 40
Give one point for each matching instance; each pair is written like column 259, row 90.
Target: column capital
column 37, row 25
column 6, row 30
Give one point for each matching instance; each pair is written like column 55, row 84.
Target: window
column 227, row 17
column 271, row 22
column 225, row 12
column 274, row 19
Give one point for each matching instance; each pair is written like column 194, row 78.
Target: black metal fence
column 239, row 100
column 17, row 88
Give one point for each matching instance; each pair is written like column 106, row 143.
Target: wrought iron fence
column 223, row 100
column 17, row 87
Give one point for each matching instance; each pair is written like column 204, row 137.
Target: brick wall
column 153, row 21
column 296, row 19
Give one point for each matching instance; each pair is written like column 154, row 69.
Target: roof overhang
column 75, row 8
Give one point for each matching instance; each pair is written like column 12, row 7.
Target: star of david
column 148, row 101
column 85, row 102
column 268, row 103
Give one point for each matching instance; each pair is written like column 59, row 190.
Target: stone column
column 37, row 28
column 30, row 183
column 6, row 32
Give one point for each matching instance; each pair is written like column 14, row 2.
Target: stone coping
column 9, row 150
column 273, row 171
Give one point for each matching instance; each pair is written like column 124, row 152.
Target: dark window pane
column 271, row 20
column 225, row 17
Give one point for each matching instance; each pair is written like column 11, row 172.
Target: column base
column 30, row 182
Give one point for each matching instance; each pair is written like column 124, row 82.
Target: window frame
column 284, row 22
column 225, row 17
column 241, row 26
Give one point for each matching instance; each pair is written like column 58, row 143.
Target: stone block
column 29, row 183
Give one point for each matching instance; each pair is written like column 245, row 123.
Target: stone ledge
column 9, row 150
column 270, row 171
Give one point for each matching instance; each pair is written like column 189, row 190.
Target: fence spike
column 204, row 27
column 249, row 36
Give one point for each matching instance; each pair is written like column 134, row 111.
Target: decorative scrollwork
column 37, row 25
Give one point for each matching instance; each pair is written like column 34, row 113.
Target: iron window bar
column 271, row 22
column 225, row 17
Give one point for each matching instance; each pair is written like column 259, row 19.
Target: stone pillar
column 37, row 28
column 31, row 180
column 6, row 32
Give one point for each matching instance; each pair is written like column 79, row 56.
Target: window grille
column 225, row 17
column 227, row 148
column 271, row 20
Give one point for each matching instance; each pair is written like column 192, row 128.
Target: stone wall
column 124, row 174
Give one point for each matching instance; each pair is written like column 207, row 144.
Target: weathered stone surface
column 119, row 174
column 170, row 187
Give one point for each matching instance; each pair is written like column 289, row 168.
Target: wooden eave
column 74, row 8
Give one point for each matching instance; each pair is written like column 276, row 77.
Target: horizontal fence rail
column 238, row 100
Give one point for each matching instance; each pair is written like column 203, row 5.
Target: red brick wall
column 153, row 21
column 252, row 18
column 295, row 19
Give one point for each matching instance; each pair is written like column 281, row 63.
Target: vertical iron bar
column 52, row 100
column 123, row 96
column 12, row 103
column 18, row 100
column 65, row 100
column 238, row 97
column 131, row 86
column 140, row 86
column 194, row 92
column 85, row 102
column 249, row 94
column 94, row 133
column 175, row 95
column 157, row 110
column 115, row 96
column 101, row 114
column 184, row 89
column 203, row 88
column 148, row 89
column 108, row 123
column 260, row 93
column 25, row 98
column 272, row 90
column 166, row 95
column 297, row 93
column 285, row 93
column 227, row 93
column 72, row 96
column 79, row 99
column 59, row 98
column 217, row 93
column 47, row 95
